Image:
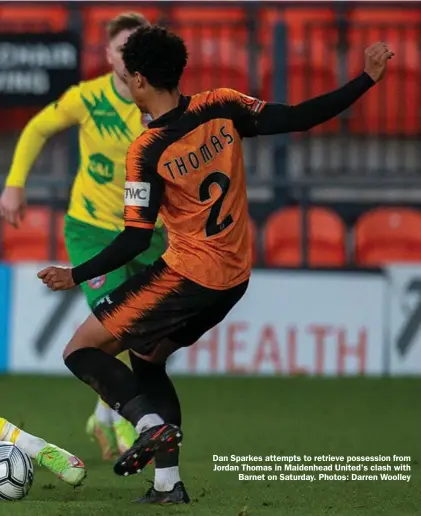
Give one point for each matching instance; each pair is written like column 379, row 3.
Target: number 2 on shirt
column 223, row 181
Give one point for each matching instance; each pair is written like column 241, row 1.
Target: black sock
column 112, row 380
column 154, row 382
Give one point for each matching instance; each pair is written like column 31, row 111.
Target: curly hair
column 157, row 54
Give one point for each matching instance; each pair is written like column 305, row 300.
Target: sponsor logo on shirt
column 101, row 168
column 106, row 117
column 97, row 282
column 137, row 194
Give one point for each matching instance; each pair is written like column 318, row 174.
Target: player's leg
column 168, row 487
column 137, row 314
column 113, row 434
column 111, row 430
column 208, row 309
column 61, row 463
column 89, row 354
column 156, row 382
column 124, row 431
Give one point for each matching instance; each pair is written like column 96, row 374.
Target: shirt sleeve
column 282, row 118
column 124, row 248
column 54, row 118
column 243, row 110
column 144, row 188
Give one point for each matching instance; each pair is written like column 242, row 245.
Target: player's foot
column 125, row 434
column 65, row 466
column 163, row 437
column 104, row 435
column 177, row 495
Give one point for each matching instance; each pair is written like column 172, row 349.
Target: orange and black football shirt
column 189, row 168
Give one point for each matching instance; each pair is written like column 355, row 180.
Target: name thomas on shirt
column 194, row 160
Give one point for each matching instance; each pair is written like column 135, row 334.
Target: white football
column 16, row 472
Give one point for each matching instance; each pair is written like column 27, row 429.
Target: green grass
column 239, row 416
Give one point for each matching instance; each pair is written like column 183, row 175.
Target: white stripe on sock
column 166, row 478
column 147, row 422
column 103, row 414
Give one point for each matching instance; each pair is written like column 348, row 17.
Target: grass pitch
column 241, row 416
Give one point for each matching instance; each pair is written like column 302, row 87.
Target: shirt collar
column 173, row 115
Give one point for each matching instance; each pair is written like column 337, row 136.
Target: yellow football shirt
column 108, row 124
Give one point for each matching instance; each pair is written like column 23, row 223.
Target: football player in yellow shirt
column 108, row 122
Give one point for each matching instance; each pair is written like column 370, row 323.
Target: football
column 16, row 472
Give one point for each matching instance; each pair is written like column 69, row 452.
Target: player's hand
column 13, row 205
column 376, row 58
column 57, row 278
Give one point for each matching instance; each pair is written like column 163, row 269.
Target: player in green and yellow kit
column 108, row 122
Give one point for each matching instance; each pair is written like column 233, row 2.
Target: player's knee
column 71, row 346
column 76, row 342
column 163, row 350
column 91, row 334
column 83, row 339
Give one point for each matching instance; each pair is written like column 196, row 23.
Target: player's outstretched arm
column 51, row 120
column 281, row 118
column 124, row 248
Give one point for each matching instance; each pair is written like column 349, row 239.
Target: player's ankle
column 148, row 421
column 103, row 415
column 31, row 444
column 116, row 418
column 166, row 478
